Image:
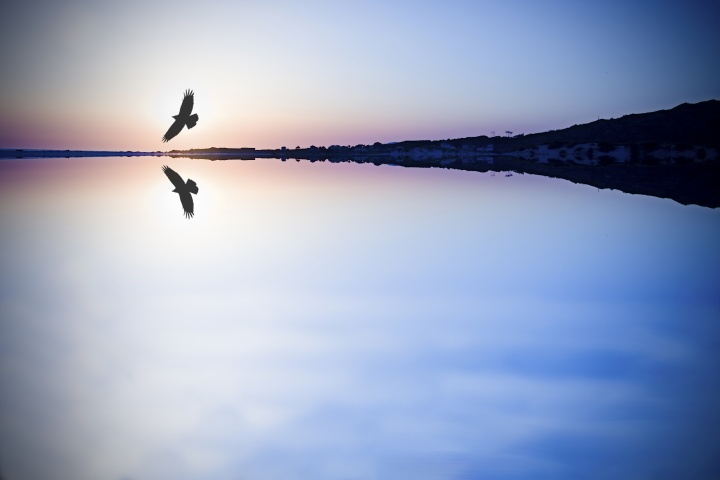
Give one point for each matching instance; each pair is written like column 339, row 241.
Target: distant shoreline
column 694, row 183
column 668, row 154
column 18, row 153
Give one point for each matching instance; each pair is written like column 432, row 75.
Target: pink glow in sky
column 109, row 75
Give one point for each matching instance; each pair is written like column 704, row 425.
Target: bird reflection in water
column 184, row 189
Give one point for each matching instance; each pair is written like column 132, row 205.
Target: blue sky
column 83, row 74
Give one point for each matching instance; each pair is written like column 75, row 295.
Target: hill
column 691, row 124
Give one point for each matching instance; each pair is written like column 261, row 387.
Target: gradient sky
column 109, row 75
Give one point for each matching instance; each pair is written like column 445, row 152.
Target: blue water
column 345, row 321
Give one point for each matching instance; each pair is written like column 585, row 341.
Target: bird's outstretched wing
column 187, row 104
column 173, row 130
column 174, row 177
column 187, row 203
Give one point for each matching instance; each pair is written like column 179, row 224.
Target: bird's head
column 175, row 116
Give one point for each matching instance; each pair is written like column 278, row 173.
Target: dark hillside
column 668, row 154
column 694, row 124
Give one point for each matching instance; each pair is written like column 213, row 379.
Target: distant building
column 487, row 148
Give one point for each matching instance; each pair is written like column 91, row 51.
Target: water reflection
column 689, row 181
column 183, row 189
column 322, row 320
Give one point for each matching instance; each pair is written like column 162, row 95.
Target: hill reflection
column 694, row 183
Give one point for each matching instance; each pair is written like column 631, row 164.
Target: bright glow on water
column 326, row 321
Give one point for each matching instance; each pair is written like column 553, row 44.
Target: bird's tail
column 192, row 121
column 192, row 186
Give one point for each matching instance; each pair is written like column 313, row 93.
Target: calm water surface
column 344, row 321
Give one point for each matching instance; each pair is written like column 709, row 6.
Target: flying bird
column 183, row 189
column 183, row 117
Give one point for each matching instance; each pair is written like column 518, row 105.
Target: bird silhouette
column 183, row 117
column 183, row 189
